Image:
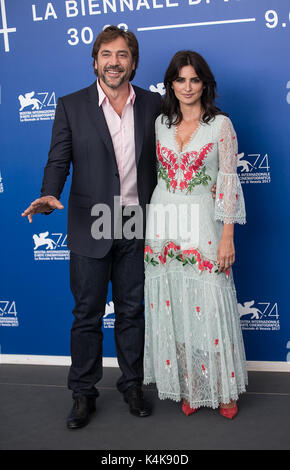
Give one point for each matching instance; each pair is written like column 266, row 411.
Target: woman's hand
column 226, row 253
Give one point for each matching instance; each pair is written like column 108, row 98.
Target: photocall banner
column 45, row 53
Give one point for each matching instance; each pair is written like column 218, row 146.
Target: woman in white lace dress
column 194, row 349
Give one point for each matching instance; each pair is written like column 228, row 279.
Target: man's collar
column 103, row 96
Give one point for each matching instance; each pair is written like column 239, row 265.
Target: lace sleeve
column 230, row 204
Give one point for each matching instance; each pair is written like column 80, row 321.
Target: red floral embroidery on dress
column 172, row 245
column 202, row 264
column 186, row 257
column 190, row 168
column 168, row 364
column 204, row 370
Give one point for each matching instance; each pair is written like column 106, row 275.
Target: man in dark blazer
column 106, row 132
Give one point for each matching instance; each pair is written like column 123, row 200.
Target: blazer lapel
column 97, row 115
column 138, row 125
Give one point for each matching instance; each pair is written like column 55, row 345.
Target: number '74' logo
column 7, row 308
column 261, row 162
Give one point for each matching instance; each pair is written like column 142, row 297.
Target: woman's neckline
column 192, row 135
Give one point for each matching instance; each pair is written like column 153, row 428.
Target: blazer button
column 117, row 175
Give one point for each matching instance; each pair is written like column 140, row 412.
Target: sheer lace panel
column 230, row 205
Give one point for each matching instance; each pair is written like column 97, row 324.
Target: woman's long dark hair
column 170, row 104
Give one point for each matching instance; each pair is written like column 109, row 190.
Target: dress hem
column 196, row 404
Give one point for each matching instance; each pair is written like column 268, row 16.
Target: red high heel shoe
column 229, row 413
column 187, row 410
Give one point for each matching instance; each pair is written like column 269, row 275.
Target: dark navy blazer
column 81, row 137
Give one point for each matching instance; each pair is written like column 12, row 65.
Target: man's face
column 114, row 63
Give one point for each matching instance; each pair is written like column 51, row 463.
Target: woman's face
column 188, row 87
